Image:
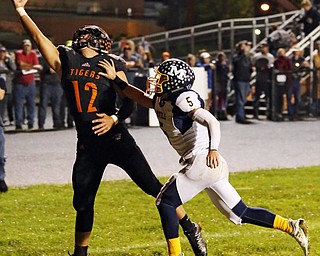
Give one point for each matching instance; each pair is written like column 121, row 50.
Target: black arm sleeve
column 126, row 109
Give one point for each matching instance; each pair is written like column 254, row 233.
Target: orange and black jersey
column 87, row 92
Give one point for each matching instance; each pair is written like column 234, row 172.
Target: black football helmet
column 91, row 36
column 170, row 76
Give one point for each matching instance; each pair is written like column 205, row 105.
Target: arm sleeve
column 205, row 118
column 126, row 109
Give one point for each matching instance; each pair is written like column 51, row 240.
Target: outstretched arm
column 205, row 118
column 130, row 91
column 47, row 49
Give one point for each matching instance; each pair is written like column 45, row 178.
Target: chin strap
column 205, row 118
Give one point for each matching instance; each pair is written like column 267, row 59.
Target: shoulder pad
column 188, row 100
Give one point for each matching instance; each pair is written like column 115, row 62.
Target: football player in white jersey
column 195, row 134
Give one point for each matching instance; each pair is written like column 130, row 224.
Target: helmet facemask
column 154, row 84
column 93, row 37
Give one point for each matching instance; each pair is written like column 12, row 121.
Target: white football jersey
column 186, row 136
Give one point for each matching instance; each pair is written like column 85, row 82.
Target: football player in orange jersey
column 102, row 138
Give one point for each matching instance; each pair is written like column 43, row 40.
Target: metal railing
column 215, row 36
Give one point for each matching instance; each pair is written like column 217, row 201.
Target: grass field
column 39, row 220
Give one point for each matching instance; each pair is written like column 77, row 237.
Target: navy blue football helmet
column 171, row 76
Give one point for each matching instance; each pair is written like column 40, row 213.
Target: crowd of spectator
column 268, row 73
column 23, row 68
column 30, row 82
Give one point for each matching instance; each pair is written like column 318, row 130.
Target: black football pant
column 92, row 158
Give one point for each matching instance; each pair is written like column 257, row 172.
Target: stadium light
column 257, row 32
column 265, row 7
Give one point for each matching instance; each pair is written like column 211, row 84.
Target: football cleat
column 196, row 241
column 3, row 186
column 72, row 254
column 299, row 233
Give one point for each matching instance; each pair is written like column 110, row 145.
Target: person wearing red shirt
column 282, row 64
column 25, row 87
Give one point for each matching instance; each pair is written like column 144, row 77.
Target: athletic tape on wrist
column 121, row 84
column 115, row 119
column 21, row 11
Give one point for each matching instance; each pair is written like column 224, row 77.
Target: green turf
column 39, row 220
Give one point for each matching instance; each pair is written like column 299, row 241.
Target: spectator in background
column 263, row 62
column 147, row 60
column 315, row 106
column 279, row 38
column 311, row 17
column 66, row 122
column 191, row 60
column 165, row 56
column 205, row 61
column 282, row 64
column 223, row 69
column 132, row 62
column 134, row 68
column 122, row 42
column 50, row 90
column 7, row 69
column 132, row 45
column 145, row 44
column 316, row 4
column 241, row 70
column 3, row 185
column 299, row 66
column 25, row 87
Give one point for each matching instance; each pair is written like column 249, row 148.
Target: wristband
column 115, row 119
column 21, row 11
column 120, row 83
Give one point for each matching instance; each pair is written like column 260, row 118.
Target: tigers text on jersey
column 87, row 92
column 186, row 136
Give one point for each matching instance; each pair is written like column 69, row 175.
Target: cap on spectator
column 205, row 55
column 26, row 42
column 264, row 44
column 3, row 49
column 240, row 43
column 165, row 54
